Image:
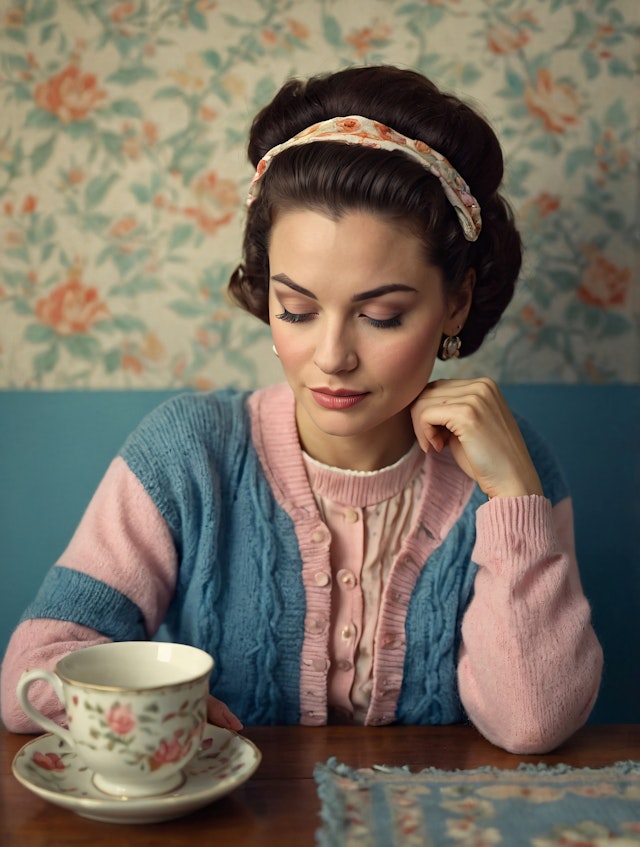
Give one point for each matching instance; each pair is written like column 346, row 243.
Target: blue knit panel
column 239, row 593
column 68, row 595
column 429, row 692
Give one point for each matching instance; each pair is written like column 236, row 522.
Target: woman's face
column 356, row 314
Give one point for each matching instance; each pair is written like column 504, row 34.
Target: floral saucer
column 48, row 767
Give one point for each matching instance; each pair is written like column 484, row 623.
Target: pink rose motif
column 71, row 94
column 121, row 720
column 389, row 134
column 347, row 125
column 557, row 104
column 603, row 283
column 216, row 199
column 48, row 761
column 167, row 752
column 72, row 308
column 422, row 147
column 504, row 38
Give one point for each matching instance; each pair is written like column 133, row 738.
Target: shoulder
column 197, row 411
column 554, row 482
column 183, row 444
column 188, row 421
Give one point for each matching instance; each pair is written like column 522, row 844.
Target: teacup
column 136, row 711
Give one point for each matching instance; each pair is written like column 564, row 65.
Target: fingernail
column 233, row 722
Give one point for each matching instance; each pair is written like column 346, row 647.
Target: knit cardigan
column 232, row 490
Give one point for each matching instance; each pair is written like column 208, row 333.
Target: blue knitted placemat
column 533, row 805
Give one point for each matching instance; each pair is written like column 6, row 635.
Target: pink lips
column 337, row 400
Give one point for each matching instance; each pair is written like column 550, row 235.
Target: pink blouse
column 369, row 513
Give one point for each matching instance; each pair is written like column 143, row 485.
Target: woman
column 358, row 544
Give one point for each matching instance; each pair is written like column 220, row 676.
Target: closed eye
column 295, row 317
column 387, row 323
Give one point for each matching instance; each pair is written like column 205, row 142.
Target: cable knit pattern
column 445, row 491
column 494, row 619
column 238, row 592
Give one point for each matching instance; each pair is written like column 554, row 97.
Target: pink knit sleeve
column 39, row 644
column 123, row 541
column 530, row 663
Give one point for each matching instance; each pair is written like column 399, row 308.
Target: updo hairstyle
column 333, row 178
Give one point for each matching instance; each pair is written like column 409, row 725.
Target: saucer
column 48, row 767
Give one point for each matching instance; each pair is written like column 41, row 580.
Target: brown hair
column 333, row 178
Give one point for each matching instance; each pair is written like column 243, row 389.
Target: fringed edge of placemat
column 622, row 767
column 332, row 801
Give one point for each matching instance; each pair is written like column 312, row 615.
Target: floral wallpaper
column 123, row 176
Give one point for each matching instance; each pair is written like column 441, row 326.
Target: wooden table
column 279, row 804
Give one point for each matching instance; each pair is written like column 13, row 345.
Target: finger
column 430, row 436
column 219, row 714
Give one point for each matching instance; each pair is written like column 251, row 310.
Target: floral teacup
column 136, row 711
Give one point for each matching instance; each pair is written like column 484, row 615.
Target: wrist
column 518, row 488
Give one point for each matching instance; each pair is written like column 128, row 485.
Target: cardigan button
column 319, row 535
column 348, row 632
column 322, row 578
column 346, row 578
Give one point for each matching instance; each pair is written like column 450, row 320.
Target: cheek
column 293, row 346
column 412, row 358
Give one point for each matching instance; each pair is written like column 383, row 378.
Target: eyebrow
column 365, row 295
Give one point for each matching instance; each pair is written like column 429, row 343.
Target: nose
column 335, row 351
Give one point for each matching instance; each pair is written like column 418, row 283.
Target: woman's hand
column 472, row 416
column 221, row 715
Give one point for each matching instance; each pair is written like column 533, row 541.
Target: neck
column 369, row 451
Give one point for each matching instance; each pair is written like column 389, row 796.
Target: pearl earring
column 275, row 352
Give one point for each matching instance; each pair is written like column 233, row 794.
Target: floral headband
column 355, row 129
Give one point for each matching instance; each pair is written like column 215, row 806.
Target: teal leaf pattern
column 123, row 175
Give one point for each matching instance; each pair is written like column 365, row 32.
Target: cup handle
column 36, row 715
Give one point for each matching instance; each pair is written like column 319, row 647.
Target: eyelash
column 296, row 318
column 389, row 323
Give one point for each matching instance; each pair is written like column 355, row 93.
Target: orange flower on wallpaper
column 216, row 201
column 531, row 317
column 123, row 226
column 269, row 37
column 75, row 176
column 131, row 363
column 72, row 308
column 363, row 40
column 541, row 206
column 505, row 38
column 122, row 11
column 556, row 103
column 70, row 95
column 13, row 18
column 30, row 204
column 546, row 204
column 603, row 284
column 298, row 29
